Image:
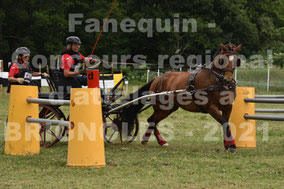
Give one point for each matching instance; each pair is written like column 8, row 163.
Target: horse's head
column 227, row 60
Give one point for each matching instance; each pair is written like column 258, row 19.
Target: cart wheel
column 133, row 134
column 111, row 131
column 50, row 134
column 115, row 131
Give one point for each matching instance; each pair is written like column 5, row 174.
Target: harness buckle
column 190, row 88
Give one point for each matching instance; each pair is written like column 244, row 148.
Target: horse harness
column 219, row 85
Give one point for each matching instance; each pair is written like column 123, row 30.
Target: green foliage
column 279, row 59
column 43, row 26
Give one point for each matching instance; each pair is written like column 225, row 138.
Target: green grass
column 188, row 162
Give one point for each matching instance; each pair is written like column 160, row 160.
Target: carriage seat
column 63, row 84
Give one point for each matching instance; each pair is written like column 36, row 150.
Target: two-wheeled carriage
column 59, row 87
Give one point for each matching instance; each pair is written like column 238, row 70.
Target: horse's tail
column 134, row 108
column 130, row 112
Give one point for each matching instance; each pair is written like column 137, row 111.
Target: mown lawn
column 189, row 161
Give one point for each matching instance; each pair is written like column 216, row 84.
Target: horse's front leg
column 223, row 119
column 229, row 141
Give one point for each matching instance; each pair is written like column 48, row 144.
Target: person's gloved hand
column 92, row 61
column 95, row 65
column 83, row 72
column 20, row 80
column 45, row 75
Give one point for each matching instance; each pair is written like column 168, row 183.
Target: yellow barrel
column 243, row 130
column 22, row 138
column 117, row 78
column 86, row 141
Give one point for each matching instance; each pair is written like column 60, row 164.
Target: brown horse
column 212, row 90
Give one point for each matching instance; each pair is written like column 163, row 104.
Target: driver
column 72, row 59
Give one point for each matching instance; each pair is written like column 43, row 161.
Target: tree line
column 43, row 26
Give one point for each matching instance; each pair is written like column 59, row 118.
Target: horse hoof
column 233, row 150
column 165, row 145
column 144, row 142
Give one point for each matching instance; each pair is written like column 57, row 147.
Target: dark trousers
column 82, row 79
column 84, row 82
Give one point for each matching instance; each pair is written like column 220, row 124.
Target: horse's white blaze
column 231, row 57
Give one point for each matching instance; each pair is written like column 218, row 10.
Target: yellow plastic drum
column 86, row 141
column 22, row 138
column 243, row 130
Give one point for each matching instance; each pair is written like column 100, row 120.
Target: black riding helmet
column 73, row 40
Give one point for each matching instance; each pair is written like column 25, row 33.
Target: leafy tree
column 43, row 26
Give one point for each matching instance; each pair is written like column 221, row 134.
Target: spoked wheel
column 131, row 135
column 115, row 131
column 50, row 134
column 111, row 131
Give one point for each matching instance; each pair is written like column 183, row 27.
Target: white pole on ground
column 268, row 75
column 158, row 72
column 148, row 74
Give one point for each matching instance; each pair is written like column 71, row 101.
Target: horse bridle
column 229, row 54
column 220, row 83
column 220, row 76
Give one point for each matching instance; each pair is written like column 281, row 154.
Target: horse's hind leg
column 153, row 121
column 148, row 132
